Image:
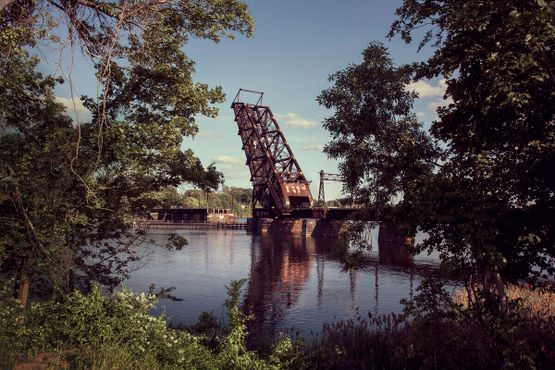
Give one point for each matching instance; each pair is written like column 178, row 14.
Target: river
column 292, row 281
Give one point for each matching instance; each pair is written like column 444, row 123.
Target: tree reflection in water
column 292, row 281
column 281, row 267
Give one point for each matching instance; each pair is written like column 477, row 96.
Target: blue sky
column 295, row 47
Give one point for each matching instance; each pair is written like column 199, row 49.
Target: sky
column 295, row 47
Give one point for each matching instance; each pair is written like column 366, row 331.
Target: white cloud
column 226, row 159
column 236, row 173
column 435, row 104
column 318, row 147
column 74, row 105
column 294, row 120
column 232, row 168
column 425, row 89
column 432, row 93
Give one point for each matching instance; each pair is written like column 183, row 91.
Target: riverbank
column 444, row 334
column 94, row 331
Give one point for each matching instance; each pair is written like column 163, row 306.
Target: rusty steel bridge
column 280, row 188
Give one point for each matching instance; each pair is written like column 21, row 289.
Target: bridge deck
column 316, row 213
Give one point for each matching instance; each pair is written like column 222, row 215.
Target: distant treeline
column 237, row 199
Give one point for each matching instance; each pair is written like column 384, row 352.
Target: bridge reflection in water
column 288, row 278
column 292, row 281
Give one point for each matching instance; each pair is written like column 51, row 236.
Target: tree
column 68, row 189
column 242, row 200
column 191, row 202
column 497, row 184
column 33, row 144
column 384, row 150
column 103, row 28
column 487, row 198
column 164, row 198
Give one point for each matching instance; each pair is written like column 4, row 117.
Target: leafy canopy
column 487, row 199
column 385, row 152
column 68, row 189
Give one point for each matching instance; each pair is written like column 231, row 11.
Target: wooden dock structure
column 165, row 225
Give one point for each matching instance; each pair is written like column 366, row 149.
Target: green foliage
column 490, row 206
column 11, row 332
column 432, row 302
column 68, row 189
column 385, row 154
column 480, row 183
column 436, row 333
column 177, row 241
column 97, row 26
column 383, row 148
column 107, row 332
column 239, row 200
column 99, row 331
column 232, row 348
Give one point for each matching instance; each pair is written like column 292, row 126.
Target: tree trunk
column 500, row 287
column 23, row 289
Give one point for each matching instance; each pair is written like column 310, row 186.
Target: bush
column 12, row 333
column 97, row 331
column 117, row 332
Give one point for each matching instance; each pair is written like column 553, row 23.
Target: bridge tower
column 279, row 185
column 322, row 192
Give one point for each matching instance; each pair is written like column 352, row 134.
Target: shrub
column 117, row 332
column 11, row 330
column 529, row 302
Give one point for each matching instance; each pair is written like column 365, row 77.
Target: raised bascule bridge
column 281, row 193
column 279, row 185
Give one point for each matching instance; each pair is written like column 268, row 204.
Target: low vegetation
column 237, row 199
column 479, row 181
column 99, row 331
column 532, row 302
column 438, row 331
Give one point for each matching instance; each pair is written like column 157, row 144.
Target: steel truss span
column 277, row 179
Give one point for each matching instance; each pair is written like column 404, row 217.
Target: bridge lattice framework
column 279, row 184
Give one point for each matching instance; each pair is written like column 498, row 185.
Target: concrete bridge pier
column 387, row 235
column 299, row 226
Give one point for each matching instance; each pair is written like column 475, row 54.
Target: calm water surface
column 292, row 281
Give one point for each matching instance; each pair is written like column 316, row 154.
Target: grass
column 531, row 302
column 452, row 337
